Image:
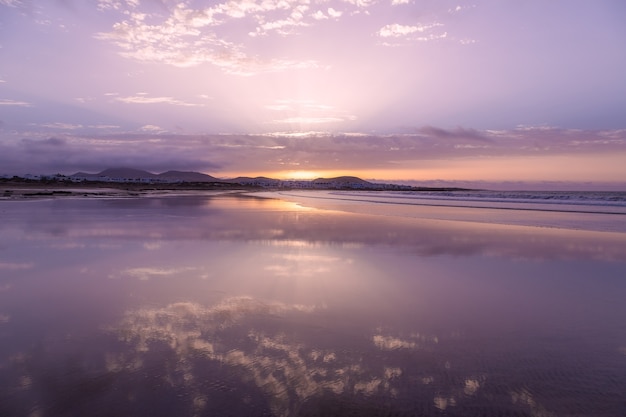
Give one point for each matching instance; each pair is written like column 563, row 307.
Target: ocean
column 303, row 303
column 591, row 210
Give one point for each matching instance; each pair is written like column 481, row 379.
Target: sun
column 302, row 175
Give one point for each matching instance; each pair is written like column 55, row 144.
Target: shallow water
column 232, row 305
column 599, row 211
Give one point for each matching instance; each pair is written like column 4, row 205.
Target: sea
column 596, row 210
column 314, row 303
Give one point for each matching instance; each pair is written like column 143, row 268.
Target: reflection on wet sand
column 285, row 370
column 241, row 218
column 197, row 306
column 288, row 365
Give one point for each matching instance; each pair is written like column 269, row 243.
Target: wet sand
column 195, row 305
column 561, row 216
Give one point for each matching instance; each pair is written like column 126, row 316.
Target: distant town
column 190, row 179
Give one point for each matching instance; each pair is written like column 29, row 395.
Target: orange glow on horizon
column 301, row 175
column 577, row 168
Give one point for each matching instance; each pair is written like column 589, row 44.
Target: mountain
column 126, row 173
column 254, row 181
column 138, row 174
column 130, row 175
column 345, row 180
column 187, row 176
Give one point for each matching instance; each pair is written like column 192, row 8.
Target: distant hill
column 341, row 180
column 131, row 173
column 253, row 181
column 125, row 173
column 187, row 176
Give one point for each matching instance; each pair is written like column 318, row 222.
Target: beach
column 299, row 303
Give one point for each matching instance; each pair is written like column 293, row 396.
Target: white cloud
column 147, row 273
column 104, row 126
column 396, row 30
column 11, row 3
column 141, row 98
column 460, row 8
column 116, row 4
column 169, row 45
column 59, row 125
column 282, row 27
column 334, row 13
column 9, row 102
column 360, row 3
column 188, row 37
column 319, row 15
column 399, row 2
column 151, row 128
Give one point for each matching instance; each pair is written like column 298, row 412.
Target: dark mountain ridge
column 131, row 174
column 138, row 174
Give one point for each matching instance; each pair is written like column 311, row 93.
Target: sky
column 448, row 91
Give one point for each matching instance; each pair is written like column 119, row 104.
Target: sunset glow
column 300, row 175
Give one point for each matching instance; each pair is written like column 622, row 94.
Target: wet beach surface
column 237, row 305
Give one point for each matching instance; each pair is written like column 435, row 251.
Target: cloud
column 11, row 3
column 158, row 151
column 189, row 37
column 147, row 273
column 59, row 125
column 303, row 112
column 151, row 128
column 142, row 99
column 44, row 143
column 284, row 366
column 14, row 266
column 17, row 103
column 71, row 153
column 458, row 133
column 360, row 3
column 334, row 13
column 396, row 30
column 117, row 4
column 104, row 126
column 319, row 15
column 460, row 8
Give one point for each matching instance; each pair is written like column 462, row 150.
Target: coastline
column 557, row 216
column 419, row 205
column 21, row 191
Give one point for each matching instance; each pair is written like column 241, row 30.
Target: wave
column 575, row 202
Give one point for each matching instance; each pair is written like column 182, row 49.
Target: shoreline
column 556, row 216
column 494, row 214
column 28, row 191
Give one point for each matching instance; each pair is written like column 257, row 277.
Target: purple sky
column 392, row 89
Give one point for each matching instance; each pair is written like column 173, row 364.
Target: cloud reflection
column 146, row 273
column 285, row 368
column 278, row 348
column 15, row 266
